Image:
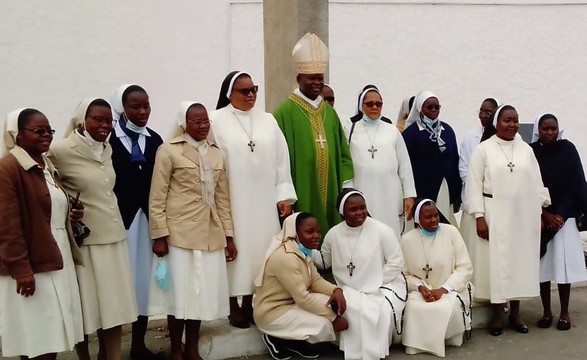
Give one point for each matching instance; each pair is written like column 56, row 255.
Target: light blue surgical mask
column 304, row 249
column 368, row 120
column 429, row 121
column 428, row 233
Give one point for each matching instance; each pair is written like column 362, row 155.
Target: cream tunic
column 428, row 325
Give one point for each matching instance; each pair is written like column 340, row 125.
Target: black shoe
column 545, row 322
column 521, row 328
column 302, row 348
column 276, row 350
column 495, row 331
column 242, row 324
column 563, row 324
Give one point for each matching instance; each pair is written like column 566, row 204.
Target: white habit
column 384, row 175
column 428, row 325
column 50, row 321
column 258, row 179
column 506, row 266
column 564, row 262
column 375, row 293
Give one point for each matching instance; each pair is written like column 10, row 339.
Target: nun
column 432, row 146
column 191, row 227
column 438, row 271
column 84, row 161
column 383, row 172
column 257, row 163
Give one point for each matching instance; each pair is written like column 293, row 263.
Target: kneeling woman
column 438, row 270
column 292, row 302
column 190, row 221
column 367, row 263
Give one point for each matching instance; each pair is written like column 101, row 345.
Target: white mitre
column 310, row 55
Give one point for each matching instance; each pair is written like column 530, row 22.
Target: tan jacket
column 291, row 278
column 27, row 244
column 176, row 207
column 94, row 179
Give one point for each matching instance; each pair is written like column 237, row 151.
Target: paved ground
column 538, row 344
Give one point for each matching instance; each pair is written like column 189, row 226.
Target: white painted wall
column 54, row 53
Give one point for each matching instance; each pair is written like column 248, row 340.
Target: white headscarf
column 404, row 109
column 414, row 115
column 535, row 132
column 346, row 197
column 287, row 233
column 419, row 207
column 362, row 97
column 79, row 115
column 116, row 101
column 11, row 130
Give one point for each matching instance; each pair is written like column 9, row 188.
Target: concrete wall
column 527, row 53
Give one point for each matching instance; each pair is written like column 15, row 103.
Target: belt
column 488, row 195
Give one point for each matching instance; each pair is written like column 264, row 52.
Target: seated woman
column 367, row 263
column 438, row 270
column 293, row 304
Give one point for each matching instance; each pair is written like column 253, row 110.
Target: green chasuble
column 319, row 156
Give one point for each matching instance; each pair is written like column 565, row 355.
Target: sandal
column 545, row 322
column 563, row 324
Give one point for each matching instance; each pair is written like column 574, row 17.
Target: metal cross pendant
column 351, row 267
column 372, row 150
column 251, row 144
column 427, row 269
column 511, row 166
column 321, row 141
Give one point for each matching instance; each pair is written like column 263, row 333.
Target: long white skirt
column 141, row 259
column 372, row 322
column 198, row 286
column 299, row 324
column 564, row 261
column 429, row 325
column 106, row 288
column 50, row 321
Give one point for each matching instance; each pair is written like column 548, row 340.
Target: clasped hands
column 339, row 323
column 431, row 295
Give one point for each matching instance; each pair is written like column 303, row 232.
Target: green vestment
column 318, row 167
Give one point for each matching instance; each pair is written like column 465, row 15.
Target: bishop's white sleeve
column 284, row 188
column 392, row 255
column 474, row 185
column 323, row 258
column 464, row 157
column 406, row 175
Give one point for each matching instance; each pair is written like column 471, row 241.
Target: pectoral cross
column 351, row 267
column 321, row 141
column 511, row 166
column 427, row 269
column 251, row 144
column 372, row 150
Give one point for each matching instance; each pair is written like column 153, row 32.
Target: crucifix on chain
column 372, row 150
column 427, row 269
column 251, row 144
column 351, row 267
column 321, row 141
column 511, row 166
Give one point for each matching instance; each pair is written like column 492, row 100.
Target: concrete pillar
column 284, row 23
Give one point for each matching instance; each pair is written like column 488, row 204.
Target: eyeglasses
column 41, row 131
column 247, row 91
column 370, row 104
column 329, row 98
column 199, row 122
column 485, row 112
column 101, row 120
column 433, row 107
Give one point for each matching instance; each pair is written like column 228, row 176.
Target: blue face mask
column 369, row 120
column 304, row 249
column 428, row 233
column 429, row 121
